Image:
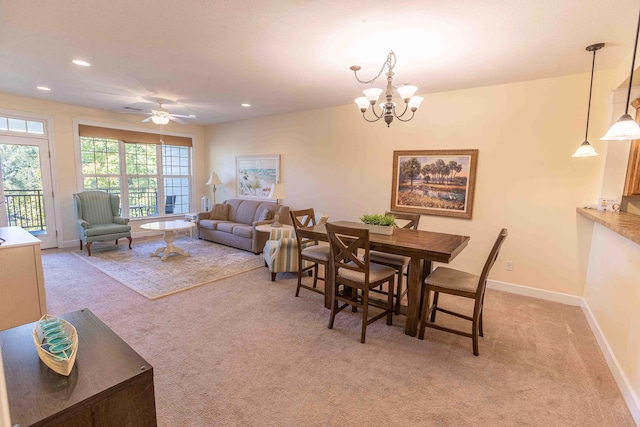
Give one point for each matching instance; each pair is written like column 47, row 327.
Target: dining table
column 421, row 246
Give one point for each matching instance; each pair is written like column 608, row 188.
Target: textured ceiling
column 291, row 55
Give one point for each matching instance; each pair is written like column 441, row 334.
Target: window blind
column 134, row 137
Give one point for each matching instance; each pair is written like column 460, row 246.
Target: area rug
column 153, row 278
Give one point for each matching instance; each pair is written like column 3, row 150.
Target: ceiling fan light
column 585, row 150
column 622, row 130
column 406, row 92
column 372, row 94
column 160, row 120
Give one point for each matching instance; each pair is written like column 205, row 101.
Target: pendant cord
column 593, row 63
column 633, row 62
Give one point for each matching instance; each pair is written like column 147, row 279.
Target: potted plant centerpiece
column 379, row 224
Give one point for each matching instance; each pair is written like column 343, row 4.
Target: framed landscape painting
column 434, row 182
column 255, row 175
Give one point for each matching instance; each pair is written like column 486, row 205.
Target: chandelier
column 388, row 107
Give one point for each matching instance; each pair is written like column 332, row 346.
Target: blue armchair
column 99, row 219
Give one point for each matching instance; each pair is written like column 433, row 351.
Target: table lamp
column 277, row 192
column 214, row 180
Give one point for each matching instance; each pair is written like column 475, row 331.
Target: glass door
column 26, row 195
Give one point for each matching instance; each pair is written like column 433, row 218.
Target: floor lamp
column 214, row 180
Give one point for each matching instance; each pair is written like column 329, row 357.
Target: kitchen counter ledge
column 623, row 223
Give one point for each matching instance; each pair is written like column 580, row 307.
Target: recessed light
column 47, row 89
column 246, row 105
column 81, row 63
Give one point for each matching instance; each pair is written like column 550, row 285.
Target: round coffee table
column 168, row 228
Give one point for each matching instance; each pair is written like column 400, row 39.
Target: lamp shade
column 622, row 130
column 372, row 94
column 278, row 192
column 213, row 179
column 406, row 91
column 415, row 102
column 585, row 150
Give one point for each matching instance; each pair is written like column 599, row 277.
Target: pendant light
column 626, row 128
column 585, row 149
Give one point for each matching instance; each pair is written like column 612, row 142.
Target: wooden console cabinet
column 110, row 384
column 22, row 296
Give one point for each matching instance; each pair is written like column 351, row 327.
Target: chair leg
column 474, row 336
column 273, row 277
column 80, row 244
column 116, row 241
column 481, row 333
column 315, row 276
column 89, row 248
column 390, row 303
column 334, row 306
column 130, row 240
column 435, row 306
column 399, row 289
column 299, row 275
column 365, row 312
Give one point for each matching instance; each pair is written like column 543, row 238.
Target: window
column 153, row 179
column 21, row 126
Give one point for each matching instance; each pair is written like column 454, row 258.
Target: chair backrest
column 493, row 255
column 413, row 218
column 169, row 204
column 346, row 242
column 96, row 207
column 303, row 218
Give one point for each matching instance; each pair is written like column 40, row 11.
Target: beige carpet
column 153, row 278
column 246, row 352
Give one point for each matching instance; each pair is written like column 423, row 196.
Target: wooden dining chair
column 398, row 262
column 309, row 250
column 356, row 273
column 455, row 282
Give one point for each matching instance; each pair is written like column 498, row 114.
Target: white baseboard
column 630, row 397
column 535, row 292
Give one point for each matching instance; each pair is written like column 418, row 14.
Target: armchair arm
column 120, row 220
column 82, row 223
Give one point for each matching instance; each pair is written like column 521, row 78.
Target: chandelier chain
column 389, row 63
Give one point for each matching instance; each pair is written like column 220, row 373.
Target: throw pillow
column 266, row 215
column 220, row 212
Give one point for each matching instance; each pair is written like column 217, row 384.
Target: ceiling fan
column 161, row 116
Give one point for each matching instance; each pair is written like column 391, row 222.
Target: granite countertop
column 623, row 223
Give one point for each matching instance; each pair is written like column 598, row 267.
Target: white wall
column 612, row 294
column 335, row 162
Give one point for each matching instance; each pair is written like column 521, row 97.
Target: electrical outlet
column 509, row 266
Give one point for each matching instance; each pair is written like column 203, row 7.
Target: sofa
column 234, row 222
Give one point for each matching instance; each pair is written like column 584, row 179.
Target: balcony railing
column 25, row 208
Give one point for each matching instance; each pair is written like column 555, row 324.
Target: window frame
column 123, row 176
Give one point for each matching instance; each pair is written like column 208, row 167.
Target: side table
column 266, row 228
column 110, row 384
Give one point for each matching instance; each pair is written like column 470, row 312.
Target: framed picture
column 434, row 182
column 255, row 175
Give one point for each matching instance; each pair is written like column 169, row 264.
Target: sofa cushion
column 243, row 231
column 247, row 211
column 111, row 228
column 266, row 214
column 209, row 224
column 262, row 207
column 219, row 212
column 227, row 226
